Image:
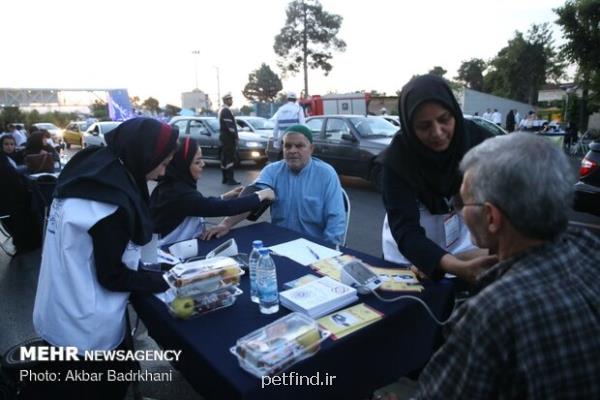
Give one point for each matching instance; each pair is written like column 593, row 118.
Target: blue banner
column 119, row 106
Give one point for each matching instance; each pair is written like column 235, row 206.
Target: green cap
column 301, row 129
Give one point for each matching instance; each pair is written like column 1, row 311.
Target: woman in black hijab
column 421, row 180
column 178, row 207
column 37, row 144
column 98, row 222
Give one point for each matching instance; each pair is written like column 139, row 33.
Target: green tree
column 437, row 70
column 524, row 65
column 308, row 38
column 470, row 73
column 246, row 110
column 10, row 114
column 263, row 85
column 151, row 104
column 171, row 110
column 580, row 22
column 99, row 110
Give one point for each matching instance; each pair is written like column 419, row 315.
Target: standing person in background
column 487, row 114
column 517, row 119
column 421, row 180
column 228, row 135
column 287, row 115
column 497, row 117
column 20, row 137
column 510, row 121
column 98, row 222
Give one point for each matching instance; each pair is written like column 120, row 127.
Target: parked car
column 258, row 125
column 488, row 125
column 587, row 189
column 350, row 143
column 73, row 133
column 393, row 119
column 94, row 135
column 205, row 130
column 55, row 132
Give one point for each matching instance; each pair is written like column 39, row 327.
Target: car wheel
column 261, row 163
column 236, row 161
column 68, row 145
column 375, row 176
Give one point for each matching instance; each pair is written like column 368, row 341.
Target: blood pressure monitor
column 360, row 277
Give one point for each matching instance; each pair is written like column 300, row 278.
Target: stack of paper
column 344, row 322
column 303, row 251
column 319, row 297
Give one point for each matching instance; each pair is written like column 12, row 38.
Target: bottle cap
column 257, row 243
column 263, row 251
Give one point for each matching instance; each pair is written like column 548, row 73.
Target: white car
column 55, row 132
column 261, row 126
column 94, row 135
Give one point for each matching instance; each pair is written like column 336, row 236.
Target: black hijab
column 35, row 142
column 434, row 176
column 177, row 184
column 116, row 174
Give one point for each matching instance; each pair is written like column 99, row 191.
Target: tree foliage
column 151, row 104
column 470, row 73
column 580, row 22
column 524, row 65
column 171, row 110
column 263, row 85
column 308, row 38
column 437, row 70
column 99, row 110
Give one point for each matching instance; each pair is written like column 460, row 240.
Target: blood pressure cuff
column 262, row 207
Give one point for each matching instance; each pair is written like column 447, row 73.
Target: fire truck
column 353, row 103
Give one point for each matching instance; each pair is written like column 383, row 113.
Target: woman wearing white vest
column 98, row 222
column 421, row 181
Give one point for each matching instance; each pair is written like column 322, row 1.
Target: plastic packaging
column 193, row 306
column 203, row 276
column 279, row 345
column 266, row 283
column 252, row 265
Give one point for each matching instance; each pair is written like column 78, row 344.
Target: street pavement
column 18, row 276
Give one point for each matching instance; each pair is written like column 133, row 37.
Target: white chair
column 5, row 241
column 347, row 208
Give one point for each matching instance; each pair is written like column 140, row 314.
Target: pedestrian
column 287, row 115
column 421, row 181
column 228, row 135
column 497, row 117
column 510, row 121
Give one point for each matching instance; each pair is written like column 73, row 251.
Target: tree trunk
column 305, row 50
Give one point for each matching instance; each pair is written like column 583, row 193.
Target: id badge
column 451, row 229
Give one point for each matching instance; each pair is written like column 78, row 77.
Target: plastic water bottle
column 252, row 265
column 266, row 282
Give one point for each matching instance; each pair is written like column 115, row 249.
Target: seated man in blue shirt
column 308, row 192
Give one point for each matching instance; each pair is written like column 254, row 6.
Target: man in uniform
column 229, row 138
column 287, row 115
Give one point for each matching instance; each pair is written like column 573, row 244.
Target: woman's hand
column 266, row 194
column 216, row 231
column 232, row 194
column 467, row 270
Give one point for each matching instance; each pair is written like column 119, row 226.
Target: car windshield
column 109, row 126
column 370, row 127
column 488, row 126
column 46, row 126
column 260, row 123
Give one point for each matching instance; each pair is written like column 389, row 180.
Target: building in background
column 196, row 100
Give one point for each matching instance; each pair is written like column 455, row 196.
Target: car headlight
column 253, row 144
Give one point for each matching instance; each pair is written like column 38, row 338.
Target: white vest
column 71, row 307
column 191, row 227
column 434, row 230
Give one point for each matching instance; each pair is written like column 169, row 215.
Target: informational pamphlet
column 319, row 297
column 303, row 251
column 344, row 322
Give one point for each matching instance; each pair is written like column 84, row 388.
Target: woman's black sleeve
column 110, row 238
column 199, row 206
column 404, row 219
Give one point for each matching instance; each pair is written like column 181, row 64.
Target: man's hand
column 232, row 194
column 216, row 231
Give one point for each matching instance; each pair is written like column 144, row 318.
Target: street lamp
column 196, row 53
column 218, row 87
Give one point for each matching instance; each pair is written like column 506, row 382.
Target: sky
column 147, row 46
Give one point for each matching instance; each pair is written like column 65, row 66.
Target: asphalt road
column 18, row 276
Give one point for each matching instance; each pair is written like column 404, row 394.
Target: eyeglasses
column 459, row 205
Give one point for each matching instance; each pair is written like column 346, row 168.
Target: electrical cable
column 418, row 300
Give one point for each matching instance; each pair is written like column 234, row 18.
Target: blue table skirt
column 403, row 341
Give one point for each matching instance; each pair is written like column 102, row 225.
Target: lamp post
column 218, row 87
column 196, row 53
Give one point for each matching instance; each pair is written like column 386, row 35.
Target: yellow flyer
column 398, row 280
column 332, row 267
column 344, row 322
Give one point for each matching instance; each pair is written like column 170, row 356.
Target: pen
column 313, row 253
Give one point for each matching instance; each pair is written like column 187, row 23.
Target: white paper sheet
column 303, row 251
